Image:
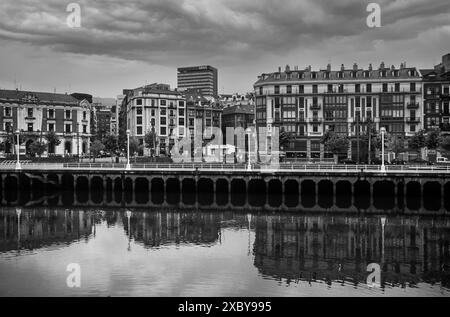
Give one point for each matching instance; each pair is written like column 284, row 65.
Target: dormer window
column 314, row 75
column 340, row 75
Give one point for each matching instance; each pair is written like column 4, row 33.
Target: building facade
column 156, row 108
column 436, row 84
column 350, row 102
column 34, row 114
column 199, row 78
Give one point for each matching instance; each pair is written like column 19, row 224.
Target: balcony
column 412, row 120
column 316, row 120
column 413, row 105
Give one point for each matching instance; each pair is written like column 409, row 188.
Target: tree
column 134, row 145
column 111, row 143
column 52, row 141
column 96, row 148
column 417, row 141
column 284, row 139
column 432, row 139
column 151, row 141
column 37, row 148
column 444, row 143
column 334, row 143
column 395, row 144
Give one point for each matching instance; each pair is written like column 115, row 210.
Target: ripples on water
column 191, row 253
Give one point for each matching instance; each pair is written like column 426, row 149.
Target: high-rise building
column 350, row 102
column 198, row 78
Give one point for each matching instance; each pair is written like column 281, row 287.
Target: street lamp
column 383, row 166
column 18, row 165
column 249, row 164
column 128, row 150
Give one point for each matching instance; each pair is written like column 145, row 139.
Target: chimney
column 355, row 67
column 279, row 69
column 382, row 65
column 342, row 67
column 392, row 67
column 287, row 69
column 370, row 67
column 402, row 66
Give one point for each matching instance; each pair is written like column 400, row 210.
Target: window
column 51, row 127
column 446, row 90
column 301, row 89
column 30, row 112
column 139, row 130
column 163, row 121
column 277, row 90
column 51, row 113
column 368, row 87
column 181, row 121
column 412, row 128
column 163, row 130
column 385, row 87
column 357, row 88
column 139, row 111
column 181, row 112
column 397, row 87
column 315, row 128
column 138, row 120
column 138, row 102
column 68, row 128
column 315, row 89
column 163, row 112
column 162, row 102
column 412, row 87
column 7, row 111
column 68, row 114
column 8, row 127
column 84, row 128
column 330, row 88
column 289, row 89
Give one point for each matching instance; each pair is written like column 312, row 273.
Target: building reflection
column 37, row 228
column 326, row 248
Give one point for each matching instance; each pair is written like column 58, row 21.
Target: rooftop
column 343, row 74
column 36, row 97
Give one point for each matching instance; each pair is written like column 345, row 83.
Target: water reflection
column 259, row 252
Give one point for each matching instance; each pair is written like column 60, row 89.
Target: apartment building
column 436, row 87
column 34, row 114
column 156, row 108
column 307, row 103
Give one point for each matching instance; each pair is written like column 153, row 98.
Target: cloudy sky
column 125, row 44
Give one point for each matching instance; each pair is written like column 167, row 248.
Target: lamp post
column 383, row 166
column 128, row 150
column 249, row 164
column 18, row 165
column 78, row 142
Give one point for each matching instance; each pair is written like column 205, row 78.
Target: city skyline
column 134, row 43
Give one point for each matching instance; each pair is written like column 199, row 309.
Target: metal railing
column 193, row 167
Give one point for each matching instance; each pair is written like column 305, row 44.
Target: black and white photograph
column 247, row 150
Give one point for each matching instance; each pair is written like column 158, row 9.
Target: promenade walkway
column 239, row 168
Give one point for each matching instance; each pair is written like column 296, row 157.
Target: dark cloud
column 160, row 31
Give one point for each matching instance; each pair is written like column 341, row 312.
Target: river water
column 173, row 252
